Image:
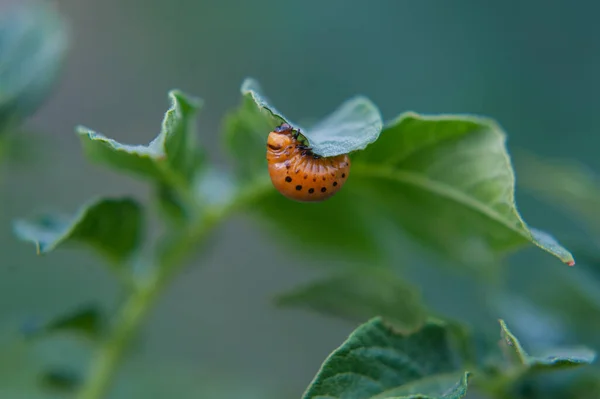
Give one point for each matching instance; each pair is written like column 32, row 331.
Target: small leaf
column 351, row 127
column 555, row 358
column 172, row 157
column 449, row 182
column 112, row 226
column 33, row 46
column 86, row 321
column 377, row 362
column 361, row 295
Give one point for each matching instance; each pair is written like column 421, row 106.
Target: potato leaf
column 448, row 181
column 354, row 125
column 172, row 157
column 445, row 181
column 112, row 226
column 378, row 362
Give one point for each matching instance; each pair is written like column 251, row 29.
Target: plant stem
column 132, row 314
column 105, row 364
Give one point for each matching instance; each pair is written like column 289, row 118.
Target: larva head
column 280, row 137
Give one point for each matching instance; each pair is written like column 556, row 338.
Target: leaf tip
column 249, row 85
column 83, row 131
column 178, row 96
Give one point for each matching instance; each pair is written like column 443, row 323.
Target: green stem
column 132, row 314
column 108, row 357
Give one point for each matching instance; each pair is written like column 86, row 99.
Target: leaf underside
column 354, row 125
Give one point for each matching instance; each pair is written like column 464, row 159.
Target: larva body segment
column 299, row 174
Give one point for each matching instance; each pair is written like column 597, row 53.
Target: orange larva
column 298, row 173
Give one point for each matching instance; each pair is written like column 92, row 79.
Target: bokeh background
column 532, row 65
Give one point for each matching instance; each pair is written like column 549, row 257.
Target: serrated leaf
column 377, row 362
column 86, row 321
column 171, row 158
column 111, row 226
column 449, row 182
column 555, row 358
column 354, row 125
column 33, row 46
column 361, row 295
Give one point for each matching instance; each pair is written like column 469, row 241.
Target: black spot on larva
column 298, row 187
column 305, row 176
column 323, row 178
column 311, row 190
column 343, row 175
column 288, row 179
column 287, row 164
column 323, row 189
column 314, row 179
column 334, row 183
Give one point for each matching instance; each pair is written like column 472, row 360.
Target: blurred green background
column 530, row 65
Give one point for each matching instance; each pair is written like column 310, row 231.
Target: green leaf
column 445, row 181
column 448, row 181
column 86, row 321
column 564, row 183
column 111, row 226
column 555, row 358
column 377, row 362
column 351, row 127
column 33, row 46
column 172, row 157
column 361, row 295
